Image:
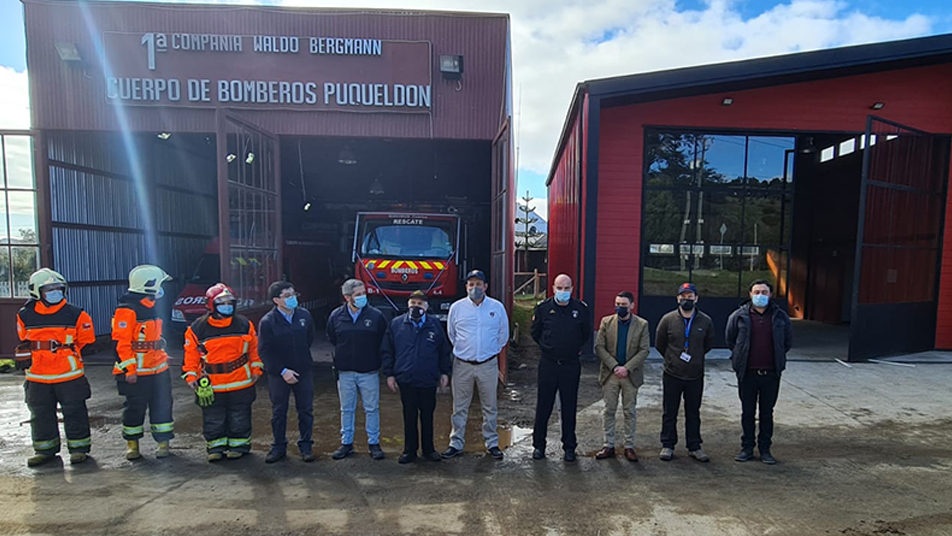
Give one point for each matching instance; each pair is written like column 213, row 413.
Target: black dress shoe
column 745, row 455
column 376, row 452
column 343, row 451
column 433, row 456
column 570, row 456
column 495, row 453
column 766, row 457
column 538, row 454
column 407, row 457
column 451, row 453
column 274, row 455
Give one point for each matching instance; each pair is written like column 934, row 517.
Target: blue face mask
column 360, row 302
column 760, row 300
column 291, row 303
column 54, row 296
column 225, row 309
column 563, row 296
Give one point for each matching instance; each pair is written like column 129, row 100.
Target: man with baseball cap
column 684, row 336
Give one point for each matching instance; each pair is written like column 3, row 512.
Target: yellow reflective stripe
column 124, row 364
column 412, row 265
column 383, row 264
column 132, row 430
column 439, row 265
column 68, row 375
column 397, row 264
column 244, row 349
column 160, row 368
column 189, row 374
column 72, row 362
column 74, row 443
column 425, row 265
column 220, row 442
column 46, row 445
column 232, row 442
column 229, row 386
column 162, row 427
column 69, row 339
column 140, row 356
column 257, row 364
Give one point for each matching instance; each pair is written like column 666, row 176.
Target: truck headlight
column 178, row 316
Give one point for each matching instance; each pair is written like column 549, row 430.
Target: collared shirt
column 419, row 325
column 352, row 313
column 288, row 317
column 478, row 332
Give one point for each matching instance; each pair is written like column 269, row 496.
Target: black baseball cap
column 478, row 274
column 687, row 287
column 419, row 295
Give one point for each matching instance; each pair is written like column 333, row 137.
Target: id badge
column 686, row 357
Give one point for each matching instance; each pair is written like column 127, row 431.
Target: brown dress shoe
column 605, row 453
column 631, row 455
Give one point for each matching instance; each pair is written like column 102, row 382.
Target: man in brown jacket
column 622, row 346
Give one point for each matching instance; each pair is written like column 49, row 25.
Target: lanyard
column 687, row 331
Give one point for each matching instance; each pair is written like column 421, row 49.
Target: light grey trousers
column 629, row 397
column 468, row 379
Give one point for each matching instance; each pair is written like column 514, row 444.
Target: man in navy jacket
column 416, row 357
column 285, row 335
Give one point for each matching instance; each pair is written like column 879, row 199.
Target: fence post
column 535, row 284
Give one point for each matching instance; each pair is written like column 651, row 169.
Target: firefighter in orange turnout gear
column 142, row 368
column 52, row 336
column 223, row 347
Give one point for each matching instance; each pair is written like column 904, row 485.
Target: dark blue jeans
column 280, row 393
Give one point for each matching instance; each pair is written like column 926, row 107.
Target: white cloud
column 15, row 99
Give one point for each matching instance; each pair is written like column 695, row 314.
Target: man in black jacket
column 415, row 359
column 562, row 327
column 683, row 338
column 759, row 335
column 285, row 335
column 356, row 331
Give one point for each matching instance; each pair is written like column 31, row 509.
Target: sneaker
column 570, row 456
column 407, row 457
column 215, row 457
column 275, row 455
column 666, row 454
column 77, row 458
column 538, row 454
column 605, row 454
column 699, row 455
column 162, row 451
column 376, row 452
column 745, row 455
column 495, row 453
column 631, row 455
column 234, row 454
column 307, row 456
column 132, row 450
column 39, row 459
column 433, row 456
column 343, row 451
column 766, row 457
column 451, row 452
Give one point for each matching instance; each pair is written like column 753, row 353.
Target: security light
column 68, row 52
column 164, row 135
column 727, row 101
column 347, row 157
column 307, row 206
column 809, row 147
column 230, row 158
column 250, row 159
column 878, row 105
column 376, row 187
column 451, row 65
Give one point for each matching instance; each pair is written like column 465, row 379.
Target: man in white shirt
column 478, row 328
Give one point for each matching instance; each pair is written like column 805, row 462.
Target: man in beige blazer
column 622, row 346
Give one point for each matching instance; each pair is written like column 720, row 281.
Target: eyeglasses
column 284, row 296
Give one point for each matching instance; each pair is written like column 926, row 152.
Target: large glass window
column 717, row 211
column 19, row 243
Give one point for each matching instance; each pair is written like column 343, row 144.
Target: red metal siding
column 63, row 97
column 565, row 208
column 917, row 97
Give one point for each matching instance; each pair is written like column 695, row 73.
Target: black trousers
column 560, row 378
column 226, row 424
column 674, row 390
column 762, row 391
column 42, row 399
column 152, row 393
column 418, row 402
column 279, row 391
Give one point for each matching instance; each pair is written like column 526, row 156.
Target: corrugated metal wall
column 99, row 229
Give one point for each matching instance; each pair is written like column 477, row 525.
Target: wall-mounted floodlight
column 451, row 65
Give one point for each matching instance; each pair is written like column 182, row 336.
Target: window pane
column 19, row 157
column 663, row 274
column 665, row 214
column 22, row 217
column 26, row 260
column 759, row 262
column 5, row 272
column 4, row 235
column 764, row 218
column 669, row 159
column 722, row 158
column 720, row 210
column 715, row 275
column 765, row 161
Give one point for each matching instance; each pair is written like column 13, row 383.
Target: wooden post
column 535, row 284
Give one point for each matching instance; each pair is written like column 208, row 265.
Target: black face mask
column 622, row 312
column 416, row 313
column 687, row 305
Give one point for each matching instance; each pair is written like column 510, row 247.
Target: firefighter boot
column 38, row 459
column 215, row 457
column 163, row 450
column 132, row 450
column 77, row 458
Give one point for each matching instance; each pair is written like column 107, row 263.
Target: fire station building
column 823, row 172
column 239, row 143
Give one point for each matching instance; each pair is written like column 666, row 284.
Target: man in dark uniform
column 562, row 326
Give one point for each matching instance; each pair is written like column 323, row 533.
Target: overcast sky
column 557, row 43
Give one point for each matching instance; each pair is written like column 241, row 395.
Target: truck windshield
column 427, row 240
column 207, row 270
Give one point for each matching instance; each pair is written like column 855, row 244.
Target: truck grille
column 409, row 286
